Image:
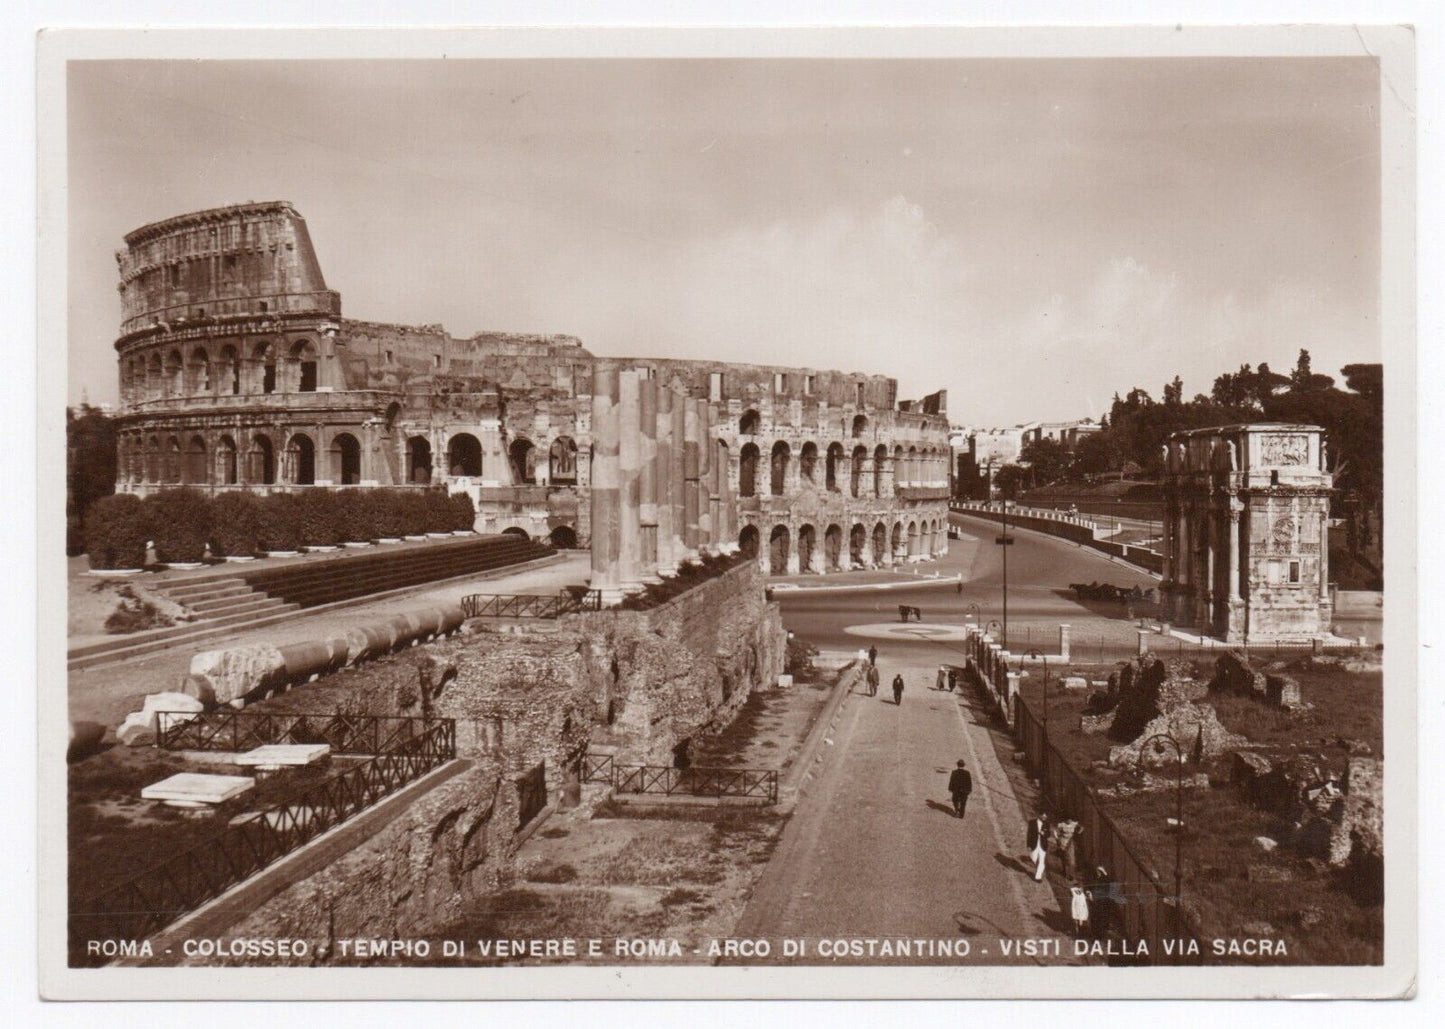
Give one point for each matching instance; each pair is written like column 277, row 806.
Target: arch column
column 605, row 494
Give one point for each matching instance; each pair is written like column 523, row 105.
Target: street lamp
column 1178, row 809
column 975, row 612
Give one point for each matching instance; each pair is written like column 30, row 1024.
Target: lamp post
column 975, row 612
column 1178, row 808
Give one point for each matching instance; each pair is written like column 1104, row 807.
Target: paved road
column 873, row 851
column 1040, row 569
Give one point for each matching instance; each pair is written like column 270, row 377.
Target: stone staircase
column 232, row 601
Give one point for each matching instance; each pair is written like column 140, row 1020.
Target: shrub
column 280, row 522
column 412, row 503
column 463, row 513
column 135, row 614
column 390, row 513
column 180, row 521
column 116, row 531
column 318, row 518
column 438, row 511
column 235, row 524
column 357, row 515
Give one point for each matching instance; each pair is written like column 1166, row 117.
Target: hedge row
column 186, row 523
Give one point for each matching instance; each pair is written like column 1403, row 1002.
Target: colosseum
column 237, row 371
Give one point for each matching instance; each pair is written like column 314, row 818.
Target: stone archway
column 521, row 455
column 301, row 460
column 880, row 544
column 858, row 545
column 748, row 470
column 345, row 459
column 748, row 541
column 808, row 463
column 778, row 546
column 778, row 468
column 418, row 460
column 833, row 549
column 464, row 455
column 807, row 541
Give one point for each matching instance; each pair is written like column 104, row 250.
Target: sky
column 1034, row 235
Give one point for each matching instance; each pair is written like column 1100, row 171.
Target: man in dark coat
column 872, row 655
column 960, row 785
column 898, row 689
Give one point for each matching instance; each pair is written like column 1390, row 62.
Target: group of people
column 1086, row 900
column 872, row 678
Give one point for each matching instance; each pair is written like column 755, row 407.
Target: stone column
column 690, row 534
column 1233, row 552
column 629, row 459
column 666, row 554
column 605, row 498
column 729, row 531
column 678, row 476
column 710, row 511
column 647, row 478
column 1064, row 641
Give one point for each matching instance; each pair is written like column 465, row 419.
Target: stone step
column 176, row 635
column 199, row 587
column 193, row 598
column 252, row 601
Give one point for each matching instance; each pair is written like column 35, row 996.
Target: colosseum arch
column 301, row 460
column 194, row 471
column 418, row 460
column 778, row 545
column 880, row 543
column 834, row 459
column 899, row 541
column 345, row 459
column 563, row 537
column 304, row 366
column 155, row 377
column 858, row 545
column 832, row 549
column 748, row 541
column 261, row 460
column 808, row 463
column 912, row 539
column 912, row 461
column 748, row 470
column 198, row 371
column 880, row 463
column 171, row 468
column 174, row 374
column 228, row 370
column 860, row 426
column 522, row 457
column 464, row 455
column 855, row 477
column 749, row 423
column 778, row 467
column 264, row 356
column 227, row 472
column 562, row 461
column 153, row 460
column 807, row 541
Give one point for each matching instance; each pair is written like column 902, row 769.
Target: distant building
column 1247, row 531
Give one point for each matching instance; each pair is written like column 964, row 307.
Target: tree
column 1048, row 460
column 90, row 465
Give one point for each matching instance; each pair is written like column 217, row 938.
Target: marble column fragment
column 666, row 487
column 647, row 478
column 605, row 496
column 629, row 459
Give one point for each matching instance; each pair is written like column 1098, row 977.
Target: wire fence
column 1130, row 901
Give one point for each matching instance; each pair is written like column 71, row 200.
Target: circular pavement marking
column 921, row 632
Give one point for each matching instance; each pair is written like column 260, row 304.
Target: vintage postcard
column 733, row 513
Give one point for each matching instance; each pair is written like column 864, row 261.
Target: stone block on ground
column 273, row 756
column 194, row 789
column 140, row 727
column 1282, row 691
column 223, row 676
column 1075, row 683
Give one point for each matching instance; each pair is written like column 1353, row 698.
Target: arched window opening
column 229, row 371
column 898, row 541
column 266, row 359
column 464, row 455
column 748, row 541
column 749, row 423
column 778, row 545
column 346, row 460
column 261, row 461
column 418, row 460
column 748, row 471
column 855, row 479
column 195, row 469
column 522, row 456
column 155, row 377
column 808, row 463
column 174, row 375
column 860, row 426
column 562, row 461
column 301, row 460
column 834, row 459
column 857, row 546
column 226, row 469
column 153, row 460
column 198, row 373
column 880, row 543
column 778, row 483
column 880, row 461
column 303, row 356
column 563, row 537
column 517, row 531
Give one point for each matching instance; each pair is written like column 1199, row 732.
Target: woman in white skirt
column 1038, row 843
column 1079, row 909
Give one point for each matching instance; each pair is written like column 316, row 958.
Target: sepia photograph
column 753, row 514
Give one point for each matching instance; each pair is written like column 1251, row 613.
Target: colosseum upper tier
column 237, row 371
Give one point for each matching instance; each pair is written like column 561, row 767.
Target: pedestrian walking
column 872, row 656
column 942, row 678
column 1038, row 843
column 1079, row 910
column 898, row 689
column 872, row 680
column 960, row 785
column 958, row 587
